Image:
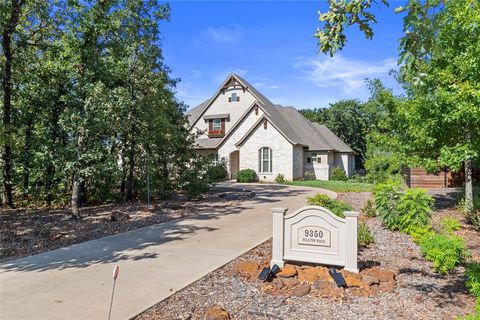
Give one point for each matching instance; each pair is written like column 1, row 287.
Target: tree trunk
column 131, row 170
column 77, row 181
column 468, row 186
column 26, row 157
column 7, row 100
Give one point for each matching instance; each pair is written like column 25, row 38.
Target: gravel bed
column 420, row 293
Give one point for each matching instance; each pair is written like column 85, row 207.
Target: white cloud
column 225, row 34
column 344, row 73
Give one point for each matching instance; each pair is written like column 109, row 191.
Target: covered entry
column 234, row 163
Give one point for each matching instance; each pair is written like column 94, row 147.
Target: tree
column 439, row 60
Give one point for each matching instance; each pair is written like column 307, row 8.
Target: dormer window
column 216, row 124
column 216, row 128
column 233, row 97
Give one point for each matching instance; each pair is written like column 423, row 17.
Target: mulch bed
column 420, row 293
column 25, row 232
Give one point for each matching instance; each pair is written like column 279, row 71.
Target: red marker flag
column 116, row 271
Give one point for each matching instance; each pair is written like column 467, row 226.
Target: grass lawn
column 337, row 186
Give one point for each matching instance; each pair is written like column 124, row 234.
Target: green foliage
column 246, row 176
column 338, row 174
column 336, row 206
column 473, row 278
column 280, row 178
column 369, row 209
column 365, row 236
column 414, row 209
column 194, row 179
column 386, row 197
column 450, row 225
column 419, row 232
column 217, row 173
column 337, row 186
column 446, row 252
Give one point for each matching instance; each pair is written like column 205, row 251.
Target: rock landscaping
column 395, row 282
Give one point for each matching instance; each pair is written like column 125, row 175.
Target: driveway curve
column 75, row 282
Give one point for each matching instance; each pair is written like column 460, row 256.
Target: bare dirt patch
column 420, row 293
column 25, row 232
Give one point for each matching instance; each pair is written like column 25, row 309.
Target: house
column 240, row 127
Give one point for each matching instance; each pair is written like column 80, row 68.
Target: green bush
column 446, row 252
column 217, row 173
column 338, row 174
column 280, row 178
column 473, row 278
column 369, row 209
column 450, row 225
column 365, row 236
column 414, row 209
column 246, row 175
column 337, row 207
column 386, row 198
column 194, row 180
column 418, row 233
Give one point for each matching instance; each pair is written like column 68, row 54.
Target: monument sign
column 314, row 234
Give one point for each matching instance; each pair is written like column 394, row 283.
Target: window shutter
column 271, row 160
column 238, row 98
column 223, row 125
column 210, row 125
column 259, row 160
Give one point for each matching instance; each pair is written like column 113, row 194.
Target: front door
column 234, row 164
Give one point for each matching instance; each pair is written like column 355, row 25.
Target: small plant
column 450, row 225
column 280, row 178
column 446, row 252
column 418, row 233
column 194, row 179
column 217, row 173
column 386, row 197
column 246, row 176
column 338, row 174
column 365, row 236
column 369, row 209
column 337, row 207
column 473, row 278
column 414, row 209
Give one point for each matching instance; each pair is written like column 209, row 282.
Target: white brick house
column 242, row 128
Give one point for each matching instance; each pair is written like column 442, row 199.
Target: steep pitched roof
column 291, row 123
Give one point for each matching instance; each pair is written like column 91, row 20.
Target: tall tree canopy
column 89, row 108
column 439, row 59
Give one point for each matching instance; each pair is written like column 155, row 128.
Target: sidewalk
column 76, row 282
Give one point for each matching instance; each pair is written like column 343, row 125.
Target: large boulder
column 288, row 271
column 216, row 313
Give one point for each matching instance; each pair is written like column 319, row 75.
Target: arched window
column 265, row 160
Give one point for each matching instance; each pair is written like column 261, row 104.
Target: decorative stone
column 388, row 286
column 352, row 279
column 301, row 290
column 374, row 289
column 290, row 282
column 383, row 275
column 277, row 283
column 360, row 291
column 311, row 274
column 320, row 285
column 288, row 271
column 370, row 280
column 216, row 313
column 247, row 268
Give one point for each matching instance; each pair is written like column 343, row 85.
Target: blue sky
column 271, row 44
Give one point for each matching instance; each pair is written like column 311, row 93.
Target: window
column 265, row 160
column 217, row 125
column 213, row 157
column 233, row 97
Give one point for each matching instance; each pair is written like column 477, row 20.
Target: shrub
column 194, row 179
column 386, row 197
column 280, row 178
column 446, row 252
column 473, row 278
column 337, row 207
column 217, row 173
column 338, row 174
column 365, row 236
column 414, row 209
column 369, row 209
column 246, row 175
column 450, row 225
column 418, row 233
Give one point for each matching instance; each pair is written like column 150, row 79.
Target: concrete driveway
column 75, row 282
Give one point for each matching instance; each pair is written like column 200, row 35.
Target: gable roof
column 291, row 123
